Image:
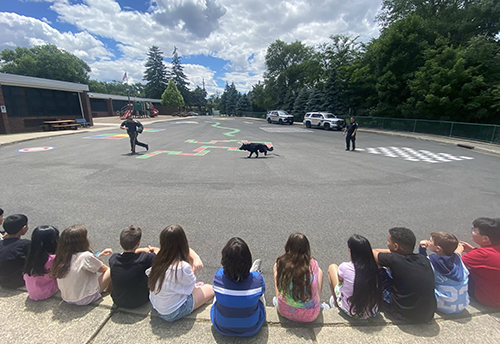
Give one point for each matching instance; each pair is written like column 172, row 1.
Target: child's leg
column 333, row 277
column 105, row 281
column 320, row 281
column 275, row 280
column 201, row 295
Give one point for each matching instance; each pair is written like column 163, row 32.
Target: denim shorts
column 185, row 309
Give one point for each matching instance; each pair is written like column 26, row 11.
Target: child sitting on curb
column 450, row 273
column 484, row 262
column 408, row 278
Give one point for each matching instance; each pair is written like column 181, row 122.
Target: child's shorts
column 185, row 309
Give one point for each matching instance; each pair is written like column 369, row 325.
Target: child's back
column 451, row 275
column 484, row 262
column 128, row 270
column 238, row 309
column 129, row 280
column 409, row 280
column 13, row 251
column 452, row 278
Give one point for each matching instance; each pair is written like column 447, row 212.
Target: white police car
column 279, row 116
column 323, row 120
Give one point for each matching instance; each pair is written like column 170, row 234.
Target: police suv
column 279, row 116
column 323, row 120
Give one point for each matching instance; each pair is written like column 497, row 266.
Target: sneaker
column 256, row 265
column 275, row 302
column 332, row 302
column 147, row 147
column 324, row 305
column 347, row 149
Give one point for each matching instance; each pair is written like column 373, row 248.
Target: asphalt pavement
column 53, row 321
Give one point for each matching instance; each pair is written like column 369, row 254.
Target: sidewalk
column 54, row 321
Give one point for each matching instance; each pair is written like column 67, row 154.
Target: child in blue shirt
column 239, row 307
column 452, row 277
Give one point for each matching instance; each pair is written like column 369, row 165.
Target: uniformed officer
column 350, row 134
column 133, row 129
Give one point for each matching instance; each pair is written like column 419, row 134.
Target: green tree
column 315, row 102
column 243, row 105
column 457, row 84
column 156, row 74
column 213, row 102
column 229, row 99
column 45, row 61
column 300, row 105
column 199, row 98
column 180, row 79
column 459, row 20
column 289, row 67
column 171, row 97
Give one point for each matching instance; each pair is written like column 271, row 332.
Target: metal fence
column 477, row 132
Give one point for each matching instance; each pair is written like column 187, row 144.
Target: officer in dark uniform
column 350, row 134
column 133, row 129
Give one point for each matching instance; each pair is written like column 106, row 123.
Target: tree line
column 434, row 59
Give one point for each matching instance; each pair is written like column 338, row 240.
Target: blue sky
column 219, row 41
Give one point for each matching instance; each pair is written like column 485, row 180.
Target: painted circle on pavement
column 35, row 149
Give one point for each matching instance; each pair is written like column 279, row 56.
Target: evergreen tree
column 199, row 98
column 180, row 78
column 156, row 74
column 300, row 105
column 315, row 102
column 171, row 97
column 243, row 105
column 229, row 99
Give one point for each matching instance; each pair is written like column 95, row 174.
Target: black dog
column 255, row 148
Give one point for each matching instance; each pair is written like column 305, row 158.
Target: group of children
column 403, row 284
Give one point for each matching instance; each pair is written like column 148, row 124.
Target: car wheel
column 268, row 120
column 326, row 126
column 339, row 128
column 291, row 122
column 280, row 121
column 308, row 124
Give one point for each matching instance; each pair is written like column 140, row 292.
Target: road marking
column 411, row 154
column 34, row 149
column 231, row 133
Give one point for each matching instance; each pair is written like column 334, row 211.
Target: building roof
column 117, row 97
column 30, row 81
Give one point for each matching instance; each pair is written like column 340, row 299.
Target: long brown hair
column 293, row 268
column 174, row 248
column 72, row 240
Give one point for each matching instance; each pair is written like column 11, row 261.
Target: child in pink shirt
column 36, row 276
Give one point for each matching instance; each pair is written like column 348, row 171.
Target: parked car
column 279, row 116
column 323, row 120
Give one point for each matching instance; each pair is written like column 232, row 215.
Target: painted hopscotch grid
column 411, row 154
column 119, row 136
column 285, row 130
column 200, row 151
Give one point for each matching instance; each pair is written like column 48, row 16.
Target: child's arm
column 195, row 261
column 464, row 247
column 376, row 251
column 422, row 248
column 149, row 249
column 103, row 253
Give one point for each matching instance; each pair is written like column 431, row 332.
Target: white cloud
column 24, row 31
column 236, row 31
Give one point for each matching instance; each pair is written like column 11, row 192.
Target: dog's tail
column 270, row 149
